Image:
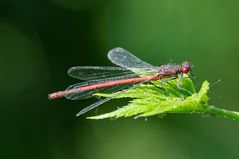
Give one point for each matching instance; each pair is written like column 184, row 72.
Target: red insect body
column 101, row 85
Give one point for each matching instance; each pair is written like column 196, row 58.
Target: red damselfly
column 105, row 79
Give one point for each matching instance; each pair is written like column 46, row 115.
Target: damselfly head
column 186, row 67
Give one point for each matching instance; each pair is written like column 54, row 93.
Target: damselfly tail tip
column 56, row 95
column 50, row 96
column 53, row 96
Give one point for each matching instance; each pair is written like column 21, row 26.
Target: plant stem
column 223, row 113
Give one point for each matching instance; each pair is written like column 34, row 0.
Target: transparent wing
column 97, row 72
column 125, row 59
column 94, row 105
column 88, row 94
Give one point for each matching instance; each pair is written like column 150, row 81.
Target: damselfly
column 104, row 79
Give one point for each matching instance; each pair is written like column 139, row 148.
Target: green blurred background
column 40, row 40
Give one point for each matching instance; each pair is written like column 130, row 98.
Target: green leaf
column 160, row 98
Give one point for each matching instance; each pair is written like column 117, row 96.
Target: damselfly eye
column 185, row 69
